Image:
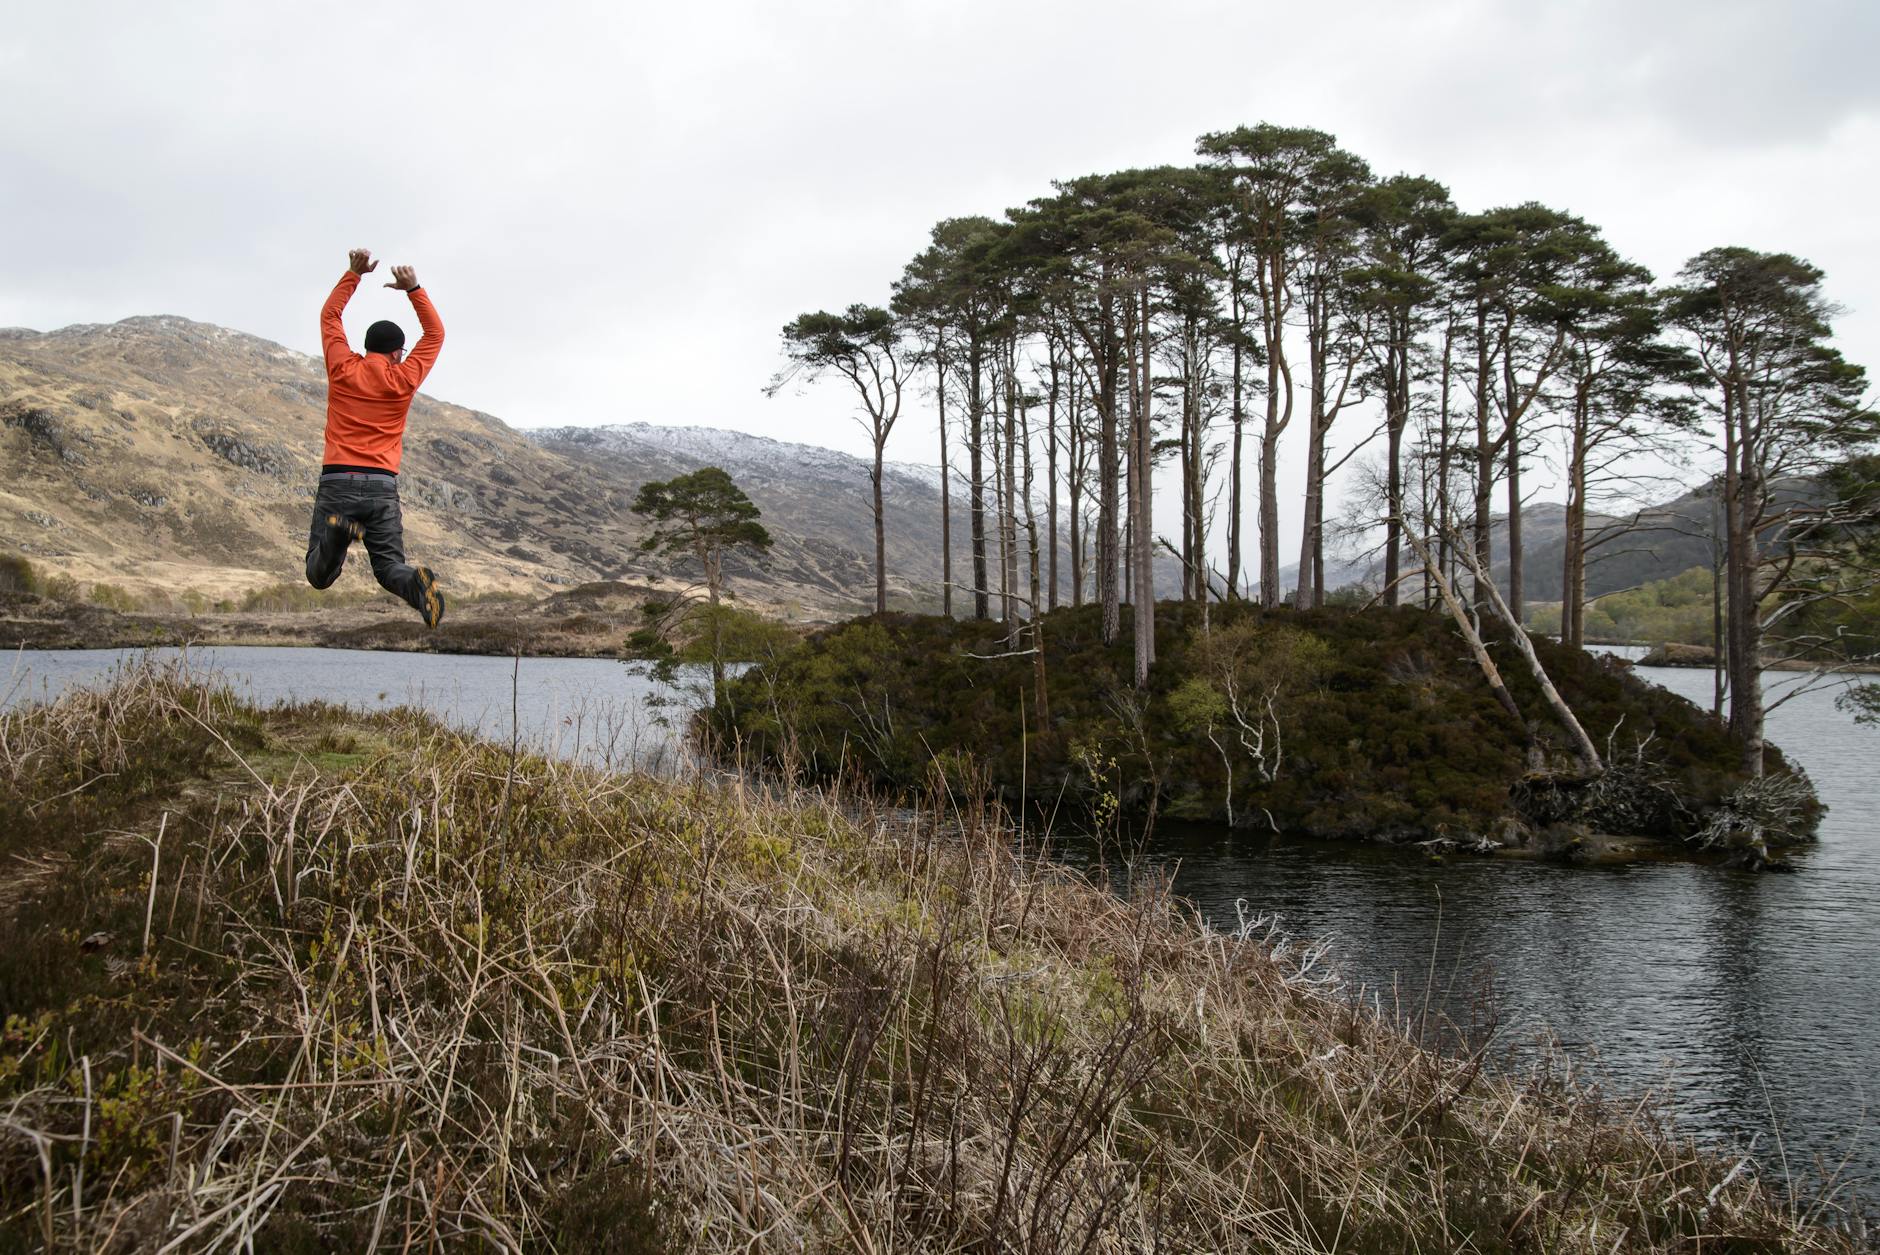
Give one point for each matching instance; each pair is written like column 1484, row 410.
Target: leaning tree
column 867, row 346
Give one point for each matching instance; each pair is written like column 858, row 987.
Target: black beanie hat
column 384, row 337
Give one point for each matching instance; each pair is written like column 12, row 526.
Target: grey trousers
column 371, row 501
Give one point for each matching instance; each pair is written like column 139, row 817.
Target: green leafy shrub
column 687, row 632
column 114, row 597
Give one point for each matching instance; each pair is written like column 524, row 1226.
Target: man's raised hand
column 361, row 261
column 404, row 278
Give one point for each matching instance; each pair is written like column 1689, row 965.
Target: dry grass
column 304, row 980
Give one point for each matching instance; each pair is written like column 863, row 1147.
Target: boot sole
column 433, row 608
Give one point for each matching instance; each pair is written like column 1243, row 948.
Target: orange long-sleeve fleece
column 368, row 395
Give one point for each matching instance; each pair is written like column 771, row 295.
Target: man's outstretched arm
column 332, row 326
column 423, row 355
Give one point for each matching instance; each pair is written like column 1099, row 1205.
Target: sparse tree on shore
column 867, row 346
column 703, row 516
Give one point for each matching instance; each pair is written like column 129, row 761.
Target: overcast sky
column 616, row 207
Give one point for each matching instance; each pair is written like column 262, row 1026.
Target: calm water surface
column 590, row 708
column 1746, row 1000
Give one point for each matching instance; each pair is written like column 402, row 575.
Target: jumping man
column 367, row 398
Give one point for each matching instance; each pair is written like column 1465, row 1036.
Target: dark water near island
column 1746, row 1001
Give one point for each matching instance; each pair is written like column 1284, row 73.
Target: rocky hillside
column 818, row 495
column 164, row 454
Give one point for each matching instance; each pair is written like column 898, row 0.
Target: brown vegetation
column 313, row 980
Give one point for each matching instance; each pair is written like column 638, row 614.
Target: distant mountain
column 818, row 495
column 160, row 453
column 821, row 494
column 1654, row 543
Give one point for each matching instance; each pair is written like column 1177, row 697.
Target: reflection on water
column 1742, row 998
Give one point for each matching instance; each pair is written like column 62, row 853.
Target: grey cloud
column 618, row 206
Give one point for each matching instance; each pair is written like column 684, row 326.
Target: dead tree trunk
column 1582, row 743
column 1466, row 626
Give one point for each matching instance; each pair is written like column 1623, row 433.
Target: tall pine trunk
column 976, row 415
column 1033, row 605
column 881, row 533
column 1484, row 455
column 1240, row 417
column 1051, row 483
column 1008, row 539
column 1447, row 523
column 1742, row 496
column 1109, row 565
column 946, row 500
column 1077, row 458
column 1573, row 548
column 1397, row 417
column 1144, row 522
column 1279, row 408
column 1511, row 451
column 1187, row 454
column 1317, row 337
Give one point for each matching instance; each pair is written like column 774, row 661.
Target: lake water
column 594, row 709
column 1746, row 1000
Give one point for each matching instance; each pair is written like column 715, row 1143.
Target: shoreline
column 593, row 621
column 575, row 624
column 388, row 627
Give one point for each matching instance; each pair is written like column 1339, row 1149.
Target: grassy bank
column 326, row 981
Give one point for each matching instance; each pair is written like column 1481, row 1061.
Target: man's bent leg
column 384, row 527
column 326, row 541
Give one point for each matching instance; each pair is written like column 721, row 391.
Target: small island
column 1331, row 723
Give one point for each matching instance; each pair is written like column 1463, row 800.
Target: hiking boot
column 430, row 601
